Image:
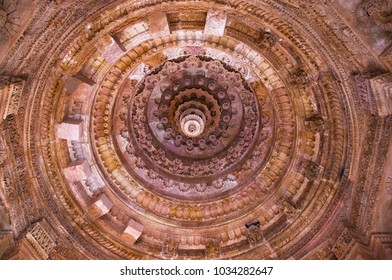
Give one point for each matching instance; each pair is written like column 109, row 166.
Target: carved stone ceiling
column 193, row 130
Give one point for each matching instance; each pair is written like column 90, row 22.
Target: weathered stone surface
column 215, row 23
column 132, row 232
column 77, row 170
column 110, row 48
column 71, row 129
column 6, row 241
column 100, row 207
column 382, row 88
column 76, row 83
column 158, row 25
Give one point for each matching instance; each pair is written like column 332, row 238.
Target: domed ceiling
column 196, row 129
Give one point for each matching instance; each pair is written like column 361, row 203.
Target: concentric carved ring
column 192, row 122
column 195, row 93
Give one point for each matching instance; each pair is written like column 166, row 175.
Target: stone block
column 132, row 231
column 110, row 48
column 78, row 170
column 100, row 207
column 158, row 24
column 215, row 23
column 70, row 130
column 77, row 83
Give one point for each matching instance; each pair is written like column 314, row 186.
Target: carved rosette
column 199, row 90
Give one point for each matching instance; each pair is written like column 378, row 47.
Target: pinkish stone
column 100, row 207
column 158, row 25
column 110, row 49
column 77, row 171
column 215, row 23
column 70, row 129
column 132, row 232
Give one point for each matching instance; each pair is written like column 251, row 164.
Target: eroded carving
column 254, row 234
column 213, row 248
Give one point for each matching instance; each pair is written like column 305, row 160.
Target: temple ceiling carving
column 183, row 130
